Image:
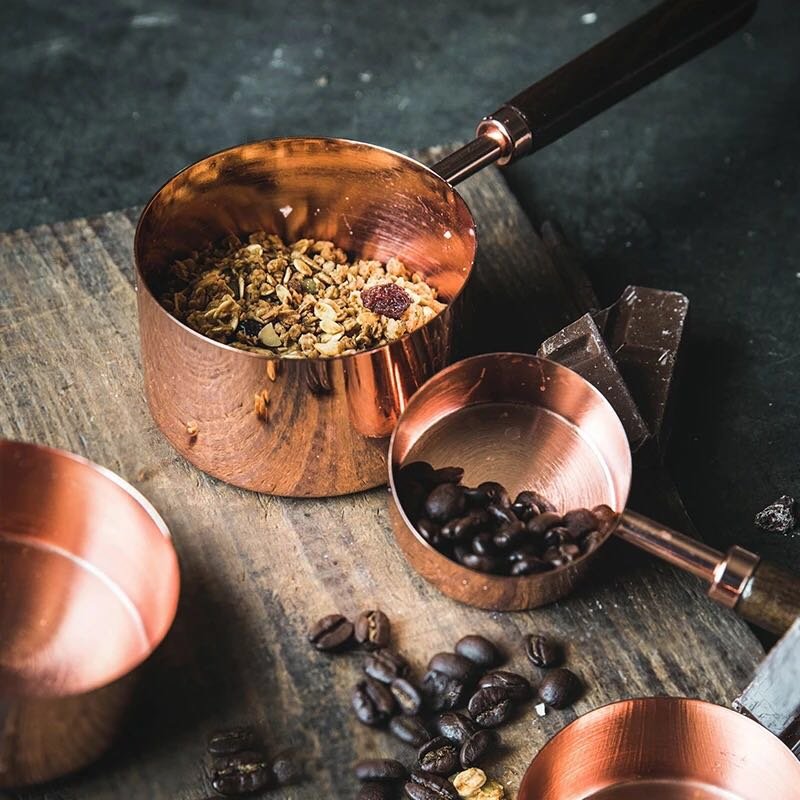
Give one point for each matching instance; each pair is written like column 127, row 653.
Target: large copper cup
column 663, row 748
column 328, row 421
column 88, row 588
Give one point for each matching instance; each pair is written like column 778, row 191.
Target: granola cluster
column 302, row 300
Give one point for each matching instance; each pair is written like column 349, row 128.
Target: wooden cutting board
column 258, row 570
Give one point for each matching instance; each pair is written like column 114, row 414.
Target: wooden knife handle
column 771, row 598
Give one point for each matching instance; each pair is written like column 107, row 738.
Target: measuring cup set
column 363, row 416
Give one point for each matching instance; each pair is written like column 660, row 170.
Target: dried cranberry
column 387, row 299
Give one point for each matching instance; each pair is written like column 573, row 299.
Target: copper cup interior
column 370, row 201
column 663, row 749
column 88, row 575
column 528, row 423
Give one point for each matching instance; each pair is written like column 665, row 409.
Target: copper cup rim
column 159, row 525
column 143, row 284
column 453, row 566
column 618, row 707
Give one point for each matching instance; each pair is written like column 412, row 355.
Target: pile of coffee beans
column 450, row 716
column 484, row 530
column 240, row 766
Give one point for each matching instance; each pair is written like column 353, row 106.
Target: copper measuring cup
column 530, row 423
column 663, row 748
column 329, row 419
column 89, row 587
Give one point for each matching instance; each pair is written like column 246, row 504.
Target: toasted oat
column 302, row 300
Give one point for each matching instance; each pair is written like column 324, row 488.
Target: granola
column 306, row 299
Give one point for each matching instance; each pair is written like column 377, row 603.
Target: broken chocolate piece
column 580, row 346
column 778, row 517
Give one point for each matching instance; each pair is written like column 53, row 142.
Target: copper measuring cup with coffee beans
column 328, row 419
column 531, row 424
column 663, row 748
column 89, row 585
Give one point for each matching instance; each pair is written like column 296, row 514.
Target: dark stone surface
column 692, row 185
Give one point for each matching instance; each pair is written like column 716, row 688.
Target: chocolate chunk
column 778, row 517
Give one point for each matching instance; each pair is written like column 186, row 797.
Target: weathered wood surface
column 257, row 570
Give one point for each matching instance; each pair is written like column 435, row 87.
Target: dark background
column 690, row 185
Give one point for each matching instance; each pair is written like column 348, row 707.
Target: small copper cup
column 89, row 586
column 663, row 748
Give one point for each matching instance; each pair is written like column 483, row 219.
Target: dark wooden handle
column 771, row 598
column 667, row 36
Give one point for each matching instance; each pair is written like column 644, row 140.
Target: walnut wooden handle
column 652, row 45
column 770, row 598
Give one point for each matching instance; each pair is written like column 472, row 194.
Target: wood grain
column 258, row 570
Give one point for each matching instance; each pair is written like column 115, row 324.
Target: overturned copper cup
column 89, row 586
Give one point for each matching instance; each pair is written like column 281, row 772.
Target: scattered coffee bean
column 406, row 695
column 491, row 790
column 380, row 769
column 442, row 692
column 331, row 633
column 490, row 707
column 410, row 729
column 375, row 790
column 496, row 493
column 517, row 686
column 478, row 650
column 385, row 666
column 372, row 702
column 425, row 786
column 478, row 746
column 286, row 770
column 372, row 630
column 455, row 727
column 542, row 651
column 242, row 773
column 560, row 688
column 468, row 782
column 438, row 756
column 230, row 741
column 445, row 502
column 453, row 665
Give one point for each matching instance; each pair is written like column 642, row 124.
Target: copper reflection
column 530, row 424
column 88, row 588
column 663, row 749
column 327, row 424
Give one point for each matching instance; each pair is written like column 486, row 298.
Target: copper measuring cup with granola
column 279, row 360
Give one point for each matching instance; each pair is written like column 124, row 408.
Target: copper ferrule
column 509, row 127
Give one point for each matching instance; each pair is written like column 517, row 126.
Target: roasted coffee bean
column 380, row 769
column 385, row 666
column 579, row 521
column 455, row 727
column 375, row 790
column 557, row 536
column 286, row 770
column 419, row 471
column 560, row 688
column 543, row 522
column 517, row 686
column 528, row 550
column 476, row 498
column 591, row 540
column 406, row 695
column 536, row 498
column 425, row 786
column 562, row 555
column 490, row 707
column 530, row 565
column 429, row 530
column 467, row 525
column 410, row 729
column 372, row 629
column 438, row 756
column 543, row 651
column 448, row 475
column 478, row 650
column 523, row 512
column 453, row 665
column 501, row 514
column 452, row 531
column 372, row 702
column 231, row 740
column 606, row 517
column 530, row 501
column 442, row 693
column 331, row 633
column 445, row 502
column 483, row 545
column 412, row 498
column 478, row 563
column 240, row 774
column 510, row 535
column 496, row 493
column 477, row 747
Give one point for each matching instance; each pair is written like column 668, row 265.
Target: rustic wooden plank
column 257, row 570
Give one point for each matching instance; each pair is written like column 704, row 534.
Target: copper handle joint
column 731, row 576
column 510, row 130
